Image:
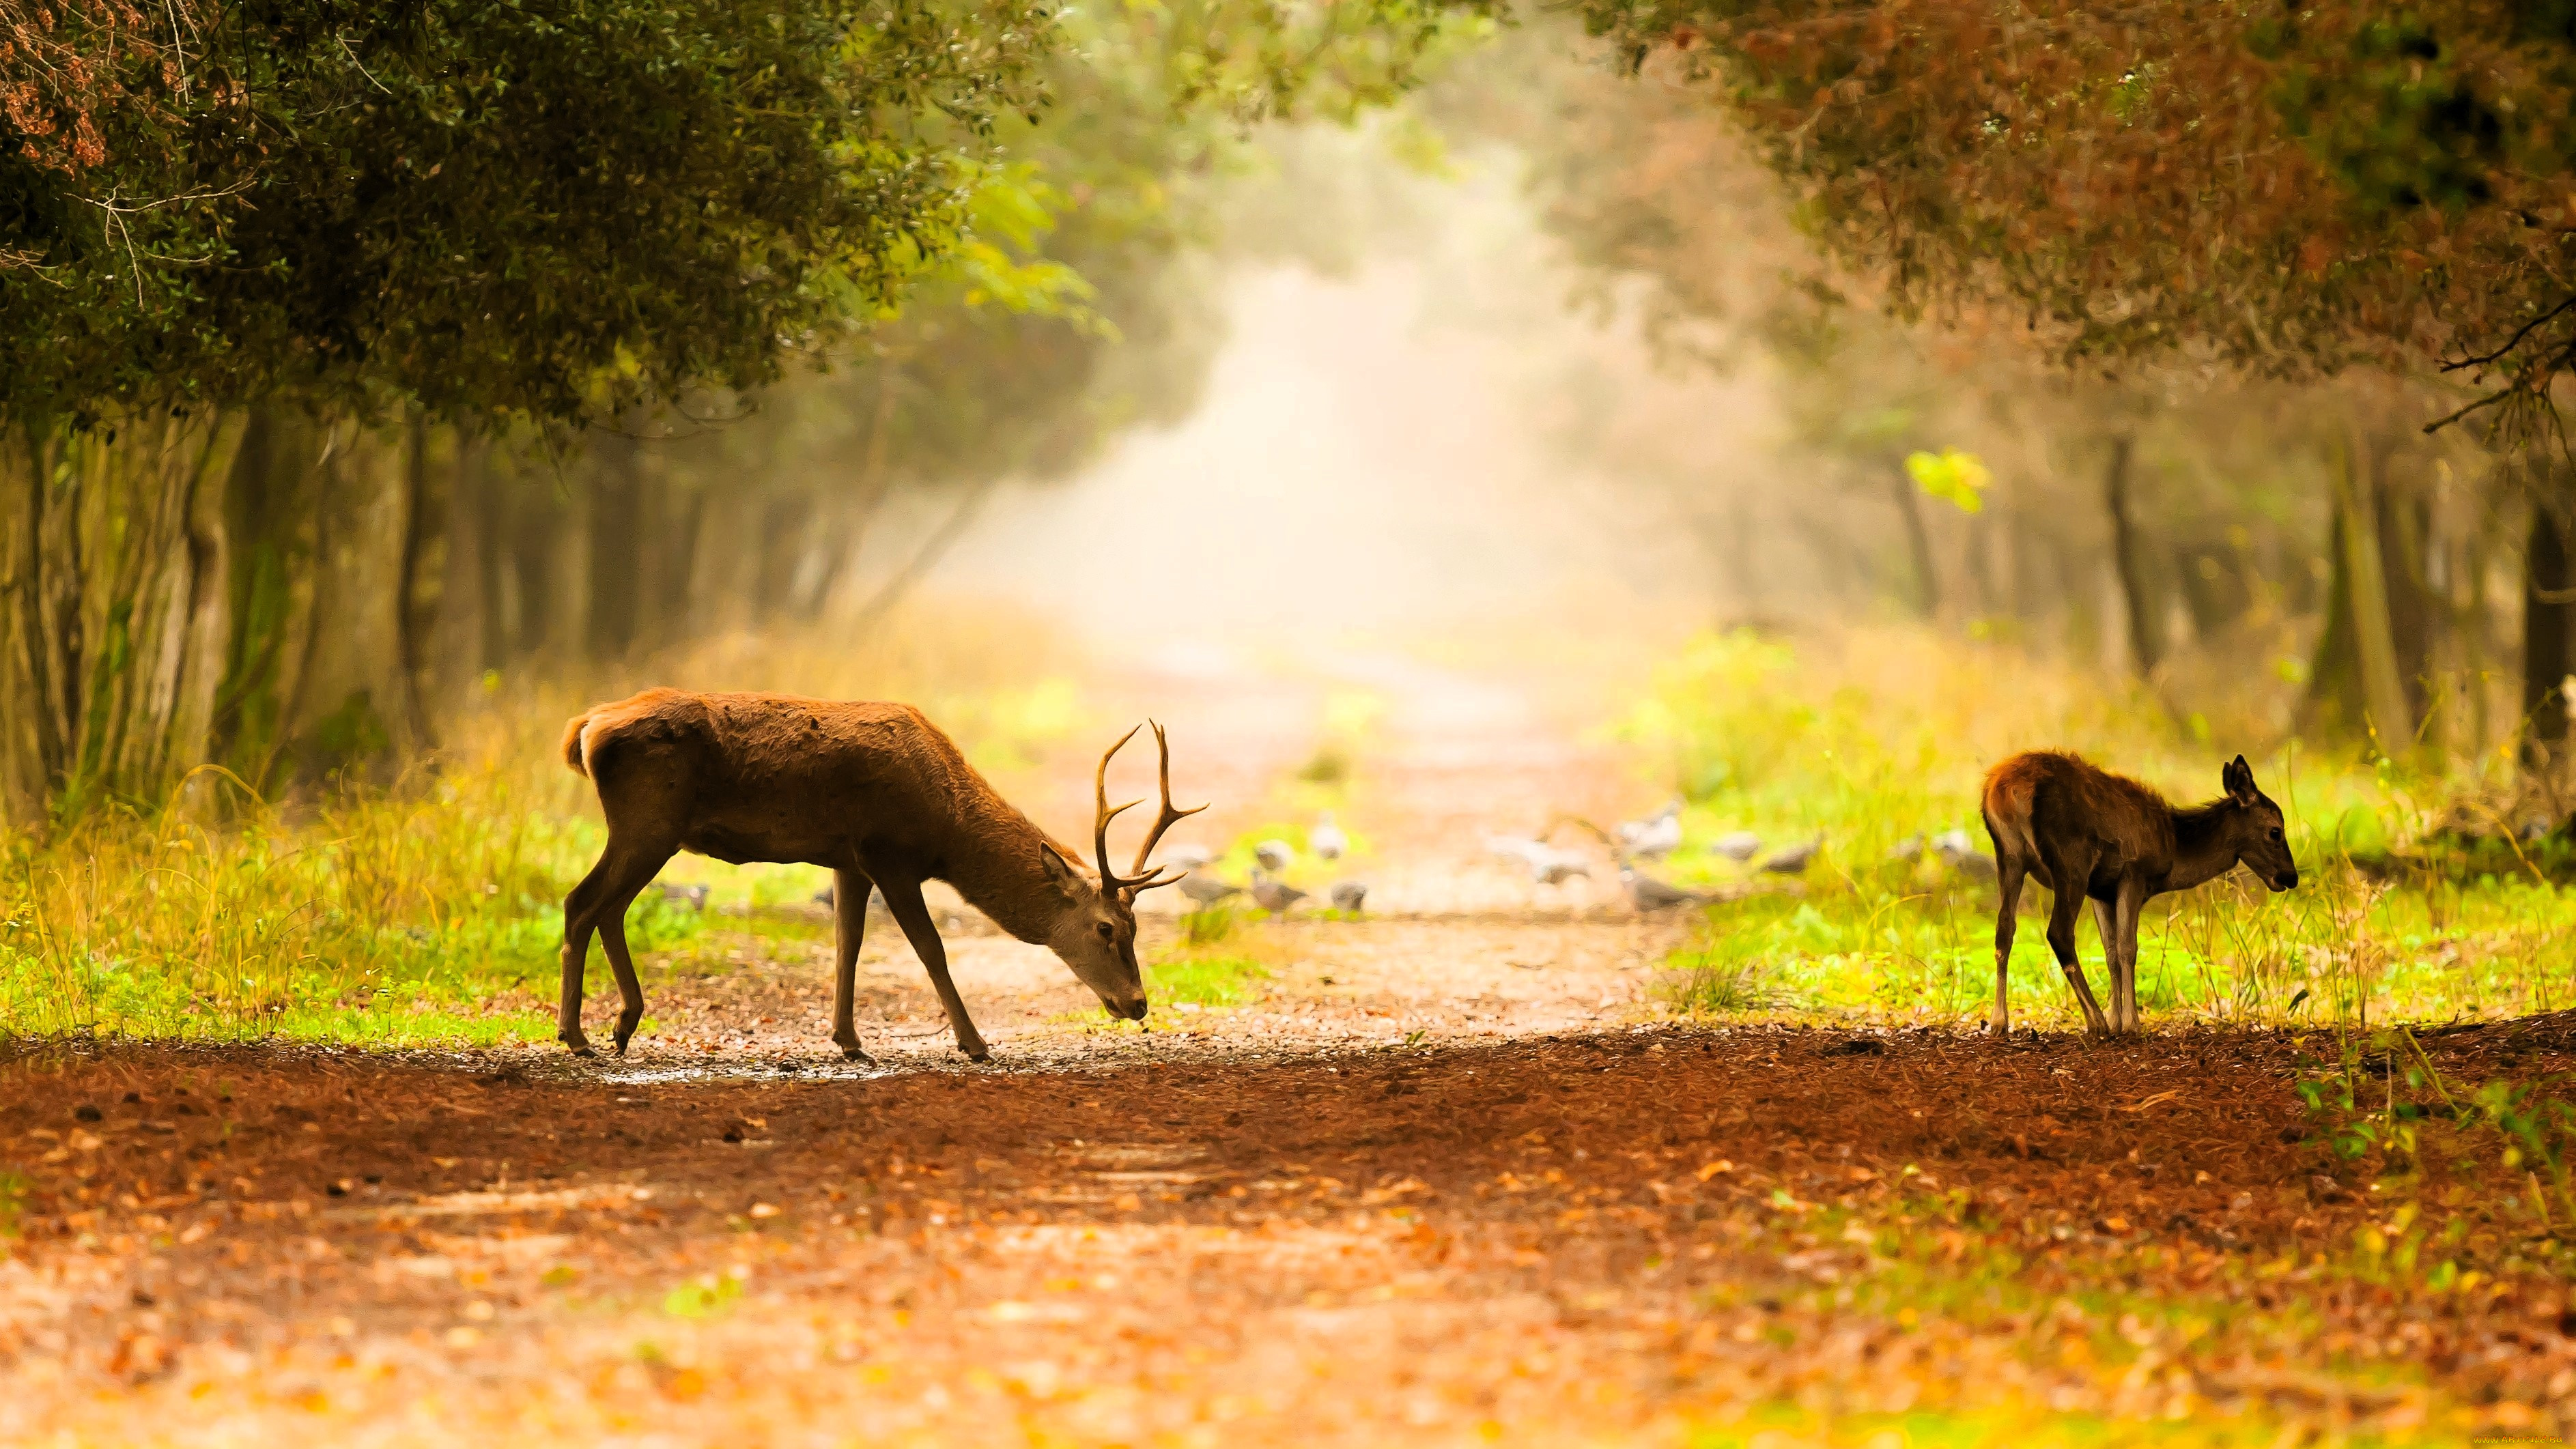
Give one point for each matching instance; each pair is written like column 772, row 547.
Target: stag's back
column 777, row 776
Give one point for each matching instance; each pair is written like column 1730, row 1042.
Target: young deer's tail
column 572, row 742
column 2007, row 807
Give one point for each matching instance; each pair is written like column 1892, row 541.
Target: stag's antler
column 1164, row 819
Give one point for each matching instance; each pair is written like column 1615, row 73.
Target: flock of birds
column 1649, row 839
column 1327, row 841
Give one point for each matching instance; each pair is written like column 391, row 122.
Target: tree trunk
column 1918, row 543
column 616, row 546
column 117, row 608
column 2548, row 629
column 416, row 597
column 2135, row 605
column 2383, row 686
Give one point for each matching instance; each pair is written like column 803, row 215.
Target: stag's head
column 2261, row 839
column 1096, row 933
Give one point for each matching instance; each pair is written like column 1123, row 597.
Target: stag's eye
column 1106, row 933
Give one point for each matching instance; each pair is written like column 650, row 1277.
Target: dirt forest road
column 1446, row 1180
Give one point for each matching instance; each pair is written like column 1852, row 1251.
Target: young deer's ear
column 2238, row 781
column 1061, row 872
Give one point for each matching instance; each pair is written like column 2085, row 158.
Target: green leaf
column 1955, row 477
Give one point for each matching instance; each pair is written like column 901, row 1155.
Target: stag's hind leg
column 850, row 891
column 599, row 904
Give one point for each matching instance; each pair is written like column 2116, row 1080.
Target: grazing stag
column 2089, row 834
column 873, row 792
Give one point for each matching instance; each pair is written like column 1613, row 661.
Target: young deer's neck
column 2205, row 845
column 999, row 870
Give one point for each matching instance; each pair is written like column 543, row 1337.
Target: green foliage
column 549, row 209
column 412, row 919
column 1717, row 714
column 1872, row 742
column 1210, row 925
column 1210, row 979
column 710, row 1297
column 1956, row 478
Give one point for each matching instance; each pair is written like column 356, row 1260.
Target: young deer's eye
column 2277, row 836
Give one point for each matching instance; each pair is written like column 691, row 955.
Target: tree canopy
column 547, row 209
column 2290, row 190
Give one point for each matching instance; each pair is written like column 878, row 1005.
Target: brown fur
column 874, row 792
column 2089, row 834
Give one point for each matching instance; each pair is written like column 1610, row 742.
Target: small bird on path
column 1649, row 894
column 1348, row 894
column 1273, row 894
column 1274, row 855
column 1795, row 859
column 1960, row 850
column 1654, row 837
column 1326, row 839
column 1186, row 856
column 1549, row 866
column 1910, row 848
column 692, row 896
column 1206, row 889
column 1737, row 845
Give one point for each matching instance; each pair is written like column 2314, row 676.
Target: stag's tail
column 572, row 741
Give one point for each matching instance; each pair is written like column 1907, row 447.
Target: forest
column 1586, row 493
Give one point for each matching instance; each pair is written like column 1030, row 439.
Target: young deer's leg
column 599, row 904
column 849, row 924
column 2063, row 911
column 2124, row 915
column 903, row 898
column 2010, row 871
column 2107, row 927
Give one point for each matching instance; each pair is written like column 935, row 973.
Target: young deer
column 2087, row 833
column 873, row 792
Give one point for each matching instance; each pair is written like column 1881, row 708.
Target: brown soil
column 1446, row 1181
column 1601, row 1237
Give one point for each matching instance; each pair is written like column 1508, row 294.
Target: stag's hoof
column 978, row 1053
column 579, row 1043
column 853, row 1054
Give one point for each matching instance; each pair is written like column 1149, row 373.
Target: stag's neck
column 2204, row 846
column 999, row 872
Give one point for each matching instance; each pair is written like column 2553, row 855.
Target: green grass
column 1206, row 978
column 1870, row 740
column 404, row 919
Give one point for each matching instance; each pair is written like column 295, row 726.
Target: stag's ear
column 1062, row 874
column 2238, row 781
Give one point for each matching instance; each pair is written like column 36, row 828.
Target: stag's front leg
column 903, row 898
column 849, row 922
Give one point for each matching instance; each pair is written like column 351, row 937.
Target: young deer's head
column 1095, row 933
column 2254, row 828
